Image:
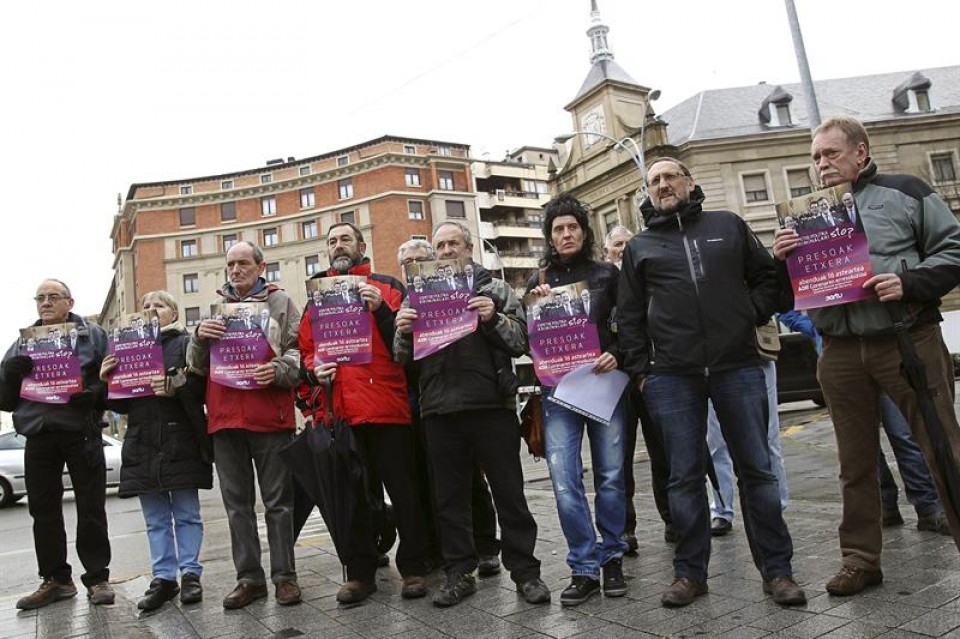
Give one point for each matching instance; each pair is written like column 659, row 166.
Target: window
column 345, row 187
column 413, row 177
column 188, row 216
column 192, row 315
column 418, row 237
column 350, row 217
column 186, row 190
column 228, row 240
column 755, row 188
column 273, row 271
column 228, row 212
column 923, row 100
column 415, row 210
column 455, row 208
column 799, row 182
column 268, row 206
column 308, row 229
column 783, row 114
column 266, row 178
column 446, row 180
column 188, row 248
column 943, row 170
column 304, row 170
column 308, row 199
column 443, row 150
column 226, row 185
column 191, row 283
column 343, row 160
column 313, row 264
column 270, row 237
column 610, row 220
column 409, row 149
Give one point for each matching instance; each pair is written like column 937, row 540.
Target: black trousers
column 457, row 442
column 659, row 469
column 44, row 458
column 388, row 451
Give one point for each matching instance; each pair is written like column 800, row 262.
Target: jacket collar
column 691, row 209
column 258, row 293
column 866, row 175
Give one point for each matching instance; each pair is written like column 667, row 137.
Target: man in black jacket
column 694, row 287
column 57, row 435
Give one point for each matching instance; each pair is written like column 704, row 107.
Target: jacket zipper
column 696, row 288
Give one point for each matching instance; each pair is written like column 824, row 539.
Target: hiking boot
column 355, row 591
column 244, row 594
column 720, row 526
column 191, row 591
column 892, row 517
column 682, row 592
column 101, row 594
column 49, row 591
column 288, row 593
column 581, row 588
column 158, row 593
column 669, row 534
column 614, row 585
column 488, row 566
column 630, row 538
column 414, row 587
column 455, row 589
column 934, row 522
column 534, row 591
column 850, row 580
column 785, row 591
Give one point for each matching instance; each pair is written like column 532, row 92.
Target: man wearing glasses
column 695, row 284
column 57, row 435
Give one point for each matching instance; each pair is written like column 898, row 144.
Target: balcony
column 511, row 259
column 509, row 228
column 514, row 199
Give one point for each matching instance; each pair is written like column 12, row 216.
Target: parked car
column 12, row 486
column 797, row 370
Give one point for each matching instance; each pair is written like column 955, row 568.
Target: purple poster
column 56, row 370
column 134, row 340
column 244, row 346
column 833, row 259
column 563, row 335
column 439, row 291
column 340, row 321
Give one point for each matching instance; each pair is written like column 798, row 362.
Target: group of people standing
column 676, row 306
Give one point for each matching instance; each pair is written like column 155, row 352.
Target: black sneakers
column 580, row 589
column 614, row 585
column 457, row 587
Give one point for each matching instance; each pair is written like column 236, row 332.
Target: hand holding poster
column 562, row 334
column 339, row 319
column 56, row 370
column 439, row 291
column 244, row 345
column 832, row 261
column 134, row 340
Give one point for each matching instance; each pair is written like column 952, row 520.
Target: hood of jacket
column 258, row 293
column 653, row 217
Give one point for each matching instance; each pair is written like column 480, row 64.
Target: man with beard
column 695, row 285
column 373, row 398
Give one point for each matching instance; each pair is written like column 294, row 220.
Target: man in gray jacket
column 915, row 255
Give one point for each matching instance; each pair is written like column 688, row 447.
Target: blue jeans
column 721, row 501
column 174, row 530
column 678, row 403
column 563, row 435
column 917, row 482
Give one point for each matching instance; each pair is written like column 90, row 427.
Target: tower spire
column 599, row 48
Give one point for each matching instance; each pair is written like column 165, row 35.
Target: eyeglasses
column 53, row 298
column 411, row 260
column 669, row 177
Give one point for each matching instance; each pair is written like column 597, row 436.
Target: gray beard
column 341, row 264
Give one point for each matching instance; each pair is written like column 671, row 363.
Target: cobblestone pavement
column 919, row 597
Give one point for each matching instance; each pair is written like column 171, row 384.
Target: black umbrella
column 915, row 372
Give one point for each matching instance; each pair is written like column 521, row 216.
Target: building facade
column 174, row 235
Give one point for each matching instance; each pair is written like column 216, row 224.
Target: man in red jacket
column 373, row 398
column 249, row 427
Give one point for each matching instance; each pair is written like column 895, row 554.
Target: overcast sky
column 98, row 96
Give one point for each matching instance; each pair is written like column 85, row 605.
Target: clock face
column 593, row 122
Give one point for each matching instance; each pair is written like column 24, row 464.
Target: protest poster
column 439, row 291
column 340, row 321
column 134, row 340
column 244, row 346
column 563, row 335
column 56, row 370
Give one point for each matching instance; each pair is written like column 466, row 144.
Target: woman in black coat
column 166, row 458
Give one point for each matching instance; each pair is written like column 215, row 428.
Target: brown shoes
column 101, row 593
column 785, row 591
column 288, row 593
column 414, row 587
column 48, row 592
column 850, row 580
column 682, row 592
column 353, row 592
column 244, row 594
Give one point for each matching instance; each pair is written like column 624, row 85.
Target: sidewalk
column 919, row 597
